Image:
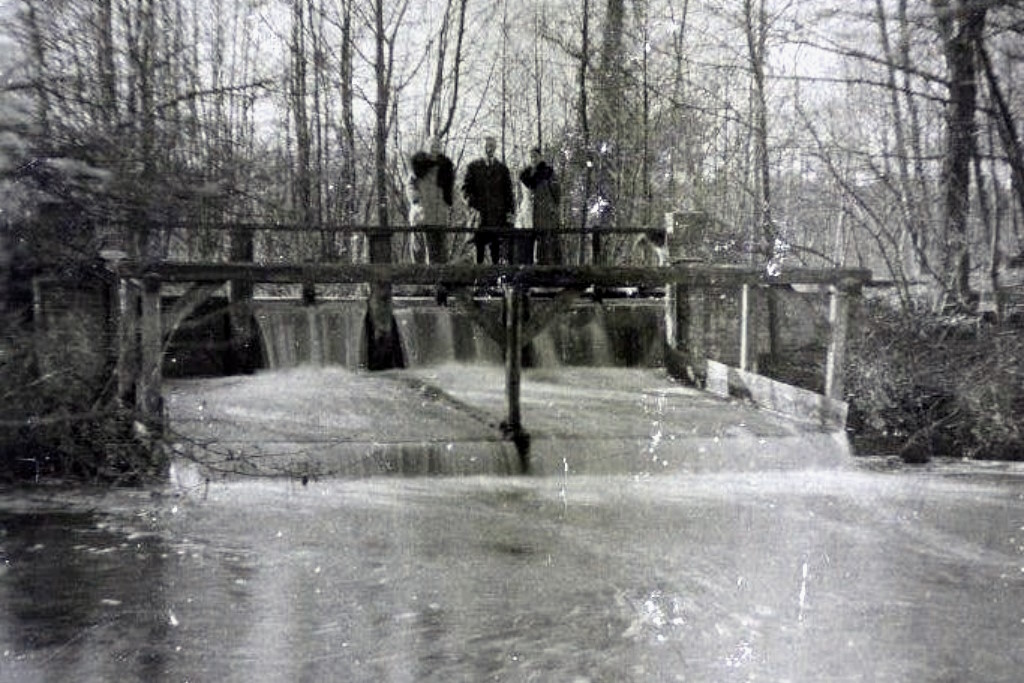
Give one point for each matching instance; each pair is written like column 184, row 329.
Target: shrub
column 56, row 414
column 928, row 385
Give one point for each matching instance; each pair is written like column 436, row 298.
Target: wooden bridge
column 143, row 328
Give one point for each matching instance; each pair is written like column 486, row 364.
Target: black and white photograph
column 526, row 341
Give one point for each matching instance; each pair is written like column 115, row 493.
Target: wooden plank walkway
column 461, row 274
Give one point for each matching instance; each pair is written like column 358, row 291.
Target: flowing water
column 870, row 571
column 331, row 333
column 874, row 572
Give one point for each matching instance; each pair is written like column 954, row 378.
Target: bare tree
column 608, row 110
column 584, row 124
column 433, row 121
column 756, row 27
column 961, row 27
column 1005, row 124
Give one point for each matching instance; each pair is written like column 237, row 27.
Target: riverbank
column 928, row 386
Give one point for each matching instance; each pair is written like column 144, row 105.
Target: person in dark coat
column 430, row 189
column 488, row 190
column 545, row 195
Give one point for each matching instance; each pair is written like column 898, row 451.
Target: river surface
column 874, row 572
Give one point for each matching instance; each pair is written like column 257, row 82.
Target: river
column 871, row 572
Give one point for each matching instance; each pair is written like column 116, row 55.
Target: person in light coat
column 544, row 195
column 429, row 190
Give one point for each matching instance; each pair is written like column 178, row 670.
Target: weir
column 627, row 332
column 695, row 334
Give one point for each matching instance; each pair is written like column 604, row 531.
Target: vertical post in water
column 513, row 426
column 684, row 303
column 744, row 327
column 838, row 320
column 127, row 307
column 672, row 289
column 384, row 350
column 243, row 355
column 149, row 399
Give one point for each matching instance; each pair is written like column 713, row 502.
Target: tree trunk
column 1006, row 126
column 645, row 161
column 911, row 226
column 681, row 123
column 303, row 179
column 584, row 123
column 105, row 63
column 383, row 347
column 757, row 39
column 303, row 140
column 349, row 191
column 757, row 35
column 961, row 28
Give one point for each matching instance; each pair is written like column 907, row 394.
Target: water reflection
column 77, row 595
column 801, row 576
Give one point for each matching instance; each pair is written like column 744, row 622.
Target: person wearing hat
column 429, row 190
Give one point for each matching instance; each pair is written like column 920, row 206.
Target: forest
column 882, row 134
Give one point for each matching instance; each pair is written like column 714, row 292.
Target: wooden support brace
column 673, row 333
column 512, row 428
column 542, row 315
column 514, row 297
column 485, row 320
column 188, row 303
column 384, row 349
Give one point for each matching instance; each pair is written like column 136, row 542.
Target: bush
column 926, row 385
column 56, row 414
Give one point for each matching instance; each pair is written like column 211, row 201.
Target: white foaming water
column 714, row 566
column 427, row 335
column 331, row 333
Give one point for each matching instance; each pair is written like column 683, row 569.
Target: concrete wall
column 71, row 331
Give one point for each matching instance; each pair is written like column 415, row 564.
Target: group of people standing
column 488, row 190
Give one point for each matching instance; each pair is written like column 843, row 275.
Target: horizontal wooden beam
column 377, row 231
column 464, row 274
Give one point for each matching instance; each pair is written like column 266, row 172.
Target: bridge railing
column 335, row 243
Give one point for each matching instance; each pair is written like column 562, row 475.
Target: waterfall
column 543, row 352
column 578, row 338
column 331, row 333
column 475, row 345
column 426, row 335
column 282, row 340
column 341, row 330
column 596, row 340
column 325, row 334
